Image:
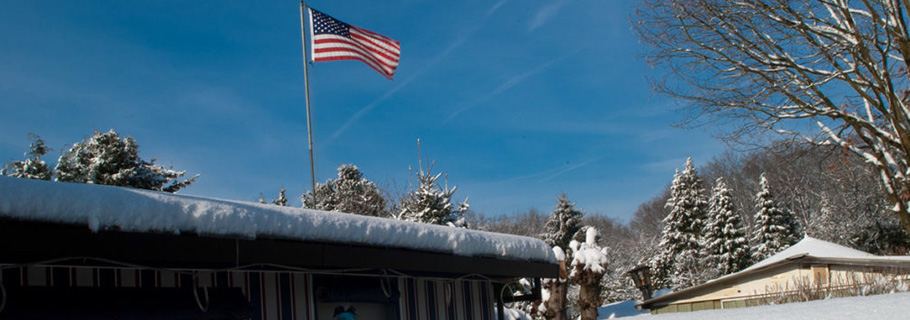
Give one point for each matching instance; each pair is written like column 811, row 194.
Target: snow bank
column 618, row 310
column 511, row 314
column 132, row 210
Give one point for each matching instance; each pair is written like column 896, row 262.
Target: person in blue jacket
column 342, row 314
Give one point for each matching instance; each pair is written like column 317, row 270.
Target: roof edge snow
column 132, row 210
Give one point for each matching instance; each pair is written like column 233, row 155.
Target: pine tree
column 350, row 192
column 282, row 200
column 725, row 237
column 563, row 223
column 105, row 158
column 262, row 199
column 775, row 228
column 32, row 167
column 679, row 262
column 432, row 203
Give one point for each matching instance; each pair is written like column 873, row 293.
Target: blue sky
column 517, row 100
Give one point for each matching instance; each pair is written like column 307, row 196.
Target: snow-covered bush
column 32, row 167
column 349, row 193
column 105, row 158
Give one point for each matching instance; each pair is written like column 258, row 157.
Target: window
column 373, row 298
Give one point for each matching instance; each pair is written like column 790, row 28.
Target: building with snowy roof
column 810, row 266
column 84, row 251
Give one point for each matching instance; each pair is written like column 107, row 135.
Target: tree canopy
column 827, row 72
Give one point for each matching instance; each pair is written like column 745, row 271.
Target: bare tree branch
column 824, row 71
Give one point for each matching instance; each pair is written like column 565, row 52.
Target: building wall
column 770, row 280
column 773, row 286
column 278, row 295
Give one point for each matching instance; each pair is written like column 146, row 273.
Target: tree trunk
column 589, row 292
column 589, row 300
column 556, row 304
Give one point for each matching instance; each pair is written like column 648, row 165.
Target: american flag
column 332, row 40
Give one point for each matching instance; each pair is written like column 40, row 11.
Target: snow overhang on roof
column 141, row 211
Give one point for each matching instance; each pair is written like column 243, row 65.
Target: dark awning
column 40, row 241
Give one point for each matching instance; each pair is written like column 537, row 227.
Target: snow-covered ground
column 885, row 306
column 618, row 310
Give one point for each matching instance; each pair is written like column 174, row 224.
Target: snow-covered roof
column 132, row 210
column 815, row 248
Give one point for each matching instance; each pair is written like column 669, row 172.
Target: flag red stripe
column 378, row 37
column 380, row 50
column 384, row 42
column 353, row 53
column 380, row 57
column 353, row 57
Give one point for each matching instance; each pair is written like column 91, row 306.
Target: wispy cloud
column 563, row 170
column 551, row 173
column 459, row 41
column 494, row 8
column 509, row 83
column 545, row 14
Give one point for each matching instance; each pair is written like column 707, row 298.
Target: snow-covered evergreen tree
column 350, row 192
column 105, row 158
column 679, row 263
column 282, row 199
column 32, row 167
column 563, row 223
column 262, row 199
column 432, row 203
column 775, row 228
column 725, row 240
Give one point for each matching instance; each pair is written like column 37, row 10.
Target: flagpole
column 306, row 83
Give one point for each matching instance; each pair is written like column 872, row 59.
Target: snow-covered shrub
column 32, row 167
column 349, row 193
column 105, row 158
